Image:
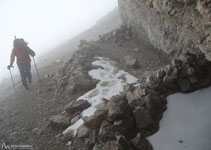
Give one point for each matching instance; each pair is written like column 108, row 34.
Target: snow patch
column 186, row 123
column 111, row 82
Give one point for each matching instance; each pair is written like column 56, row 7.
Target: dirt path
column 25, row 117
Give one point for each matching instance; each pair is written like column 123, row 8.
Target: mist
column 45, row 24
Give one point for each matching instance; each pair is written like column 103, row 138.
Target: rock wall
column 174, row 26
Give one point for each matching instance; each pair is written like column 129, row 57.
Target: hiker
column 23, row 53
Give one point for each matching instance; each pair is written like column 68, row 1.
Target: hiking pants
column 25, row 72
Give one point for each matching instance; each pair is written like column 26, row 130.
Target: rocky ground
column 38, row 117
column 126, row 120
column 25, row 116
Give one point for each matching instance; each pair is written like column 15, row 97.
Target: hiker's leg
column 21, row 68
column 28, row 72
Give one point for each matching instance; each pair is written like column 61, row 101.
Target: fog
column 45, row 24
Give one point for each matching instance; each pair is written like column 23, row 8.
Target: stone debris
column 129, row 118
column 136, row 114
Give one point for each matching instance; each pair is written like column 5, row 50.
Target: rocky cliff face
column 174, row 26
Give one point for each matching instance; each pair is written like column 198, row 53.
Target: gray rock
column 59, row 122
column 112, row 145
column 168, row 69
column 140, row 143
column 137, row 97
column 176, row 63
column 108, row 131
column 136, row 49
column 160, row 74
column 122, row 141
column 184, row 85
column 118, row 108
column 168, row 79
column 127, row 123
column 150, row 78
column 82, row 131
column 75, row 106
column 75, row 119
column 142, row 118
column 140, row 92
column 94, row 122
column 131, row 62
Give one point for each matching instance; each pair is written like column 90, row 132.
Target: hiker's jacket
column 22, row 55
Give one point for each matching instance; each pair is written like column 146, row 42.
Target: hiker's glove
column 9, row 66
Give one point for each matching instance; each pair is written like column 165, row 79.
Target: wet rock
column 142, row 118
column 75, row 106
column 59, row 122
column 131, row 62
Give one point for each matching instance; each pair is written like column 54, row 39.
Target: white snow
column 186, row 125
column 112, row 82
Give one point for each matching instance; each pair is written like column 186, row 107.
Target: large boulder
column 118, row 108
column 142, row 118
column 76, row 106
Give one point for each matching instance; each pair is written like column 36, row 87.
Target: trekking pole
column 12, row 81
column 36, row 70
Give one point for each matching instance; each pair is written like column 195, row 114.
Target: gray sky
column 46, row 23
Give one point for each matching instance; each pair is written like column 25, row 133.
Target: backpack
column 20, row 43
